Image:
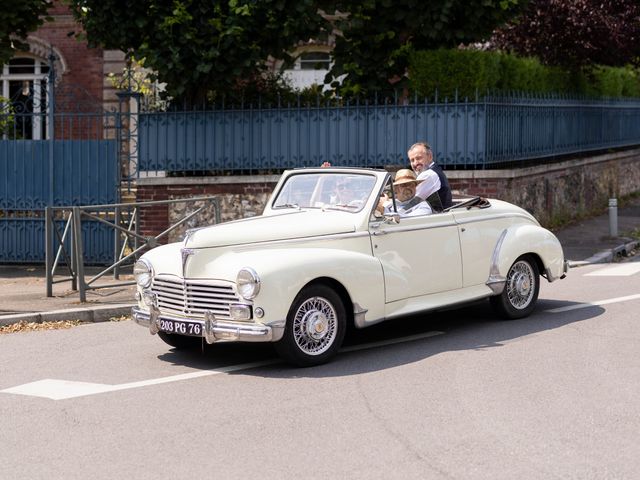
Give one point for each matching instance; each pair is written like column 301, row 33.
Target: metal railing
column 65, row 235
column 485, row 132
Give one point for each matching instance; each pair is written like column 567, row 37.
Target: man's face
column 420, row 159
column 405, row 191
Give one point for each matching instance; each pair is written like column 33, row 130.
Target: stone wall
column 555, row 193
column 238, row 197
column 560, row 192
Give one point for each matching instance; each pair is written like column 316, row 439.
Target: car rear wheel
column 520, row 294
column 315, row 327
column 180, row 341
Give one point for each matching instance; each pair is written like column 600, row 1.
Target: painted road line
column 593, row 304
column 65, row 389
column 622, row 270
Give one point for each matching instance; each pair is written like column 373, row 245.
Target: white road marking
column 621, row 270
column 65, row 389
column 593, row 304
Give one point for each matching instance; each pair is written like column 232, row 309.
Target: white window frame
column 37, row 77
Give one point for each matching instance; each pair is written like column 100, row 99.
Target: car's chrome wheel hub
column 520, row 283
column 315, row 325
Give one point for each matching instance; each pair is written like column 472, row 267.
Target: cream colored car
column 321, row 257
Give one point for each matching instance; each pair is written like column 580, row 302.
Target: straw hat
column 405, row 176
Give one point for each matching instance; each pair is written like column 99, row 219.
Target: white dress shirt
column 429, row 183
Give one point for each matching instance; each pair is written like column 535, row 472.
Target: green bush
column 449, row 70
column 469, row 70
column 614, row 82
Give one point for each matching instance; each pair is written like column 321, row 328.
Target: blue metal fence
column 54, row 158
column 365, row 135
column 23, row 241
column 85, row 172
column 526, row 128
column 479, row 134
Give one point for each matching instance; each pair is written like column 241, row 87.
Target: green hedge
column 468, row 71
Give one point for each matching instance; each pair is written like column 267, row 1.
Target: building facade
column 80, row 74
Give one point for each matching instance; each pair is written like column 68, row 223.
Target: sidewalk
column 23, row 288
column 23, row 297
column 588, row 241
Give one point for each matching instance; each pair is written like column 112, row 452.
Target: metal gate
column 58, row 147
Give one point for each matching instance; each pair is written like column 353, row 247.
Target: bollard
column 613, row 217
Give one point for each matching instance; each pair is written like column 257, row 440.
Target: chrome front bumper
column 214, row 330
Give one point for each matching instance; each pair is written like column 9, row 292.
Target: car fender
column 284, row 272
column 518, row 240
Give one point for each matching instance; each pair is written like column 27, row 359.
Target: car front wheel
column 315, row 327
column 518, row 299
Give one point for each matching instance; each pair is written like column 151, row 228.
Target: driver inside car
column 404, row 187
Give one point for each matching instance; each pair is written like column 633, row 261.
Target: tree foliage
column 17, row 19
column 378, row 35
column 198, row 46
column 575, row 33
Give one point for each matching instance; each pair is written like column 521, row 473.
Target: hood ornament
column 186, row 253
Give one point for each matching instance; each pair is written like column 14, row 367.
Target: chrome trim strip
column 185, row 253
column 493, row 216
column 359, row 315
column 412, row 228
column 496, row 281
column 317, row 238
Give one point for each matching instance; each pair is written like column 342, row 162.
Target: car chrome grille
column 192, row 297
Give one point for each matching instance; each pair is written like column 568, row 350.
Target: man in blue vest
column 434, row 186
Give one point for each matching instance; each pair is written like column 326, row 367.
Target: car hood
column 299, row 224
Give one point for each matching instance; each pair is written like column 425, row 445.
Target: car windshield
column 341, row 191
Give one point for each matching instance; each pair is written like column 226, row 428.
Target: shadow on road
column 473, row 327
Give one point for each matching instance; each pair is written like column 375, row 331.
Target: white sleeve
column 430, row 182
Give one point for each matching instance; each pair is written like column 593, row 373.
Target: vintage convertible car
column 322, row 257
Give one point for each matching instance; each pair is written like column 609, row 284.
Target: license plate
column 179, row 327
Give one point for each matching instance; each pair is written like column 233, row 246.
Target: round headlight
column 248, row 283
column 143, row 273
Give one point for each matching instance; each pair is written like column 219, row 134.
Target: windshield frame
column 324, row 193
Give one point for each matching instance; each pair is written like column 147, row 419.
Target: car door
column 480, row 230
column 419, row 255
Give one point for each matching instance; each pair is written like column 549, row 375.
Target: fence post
column 48, row 249
column 116, row 243
column 51, row 132
column 613, row 217
column 79, row 255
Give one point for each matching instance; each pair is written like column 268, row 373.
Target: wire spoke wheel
column 520, row 285
column 315, row 325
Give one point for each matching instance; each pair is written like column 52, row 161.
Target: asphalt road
column 452, row 395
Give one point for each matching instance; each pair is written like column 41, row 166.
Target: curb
column 607, row 256
column 93, row 315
